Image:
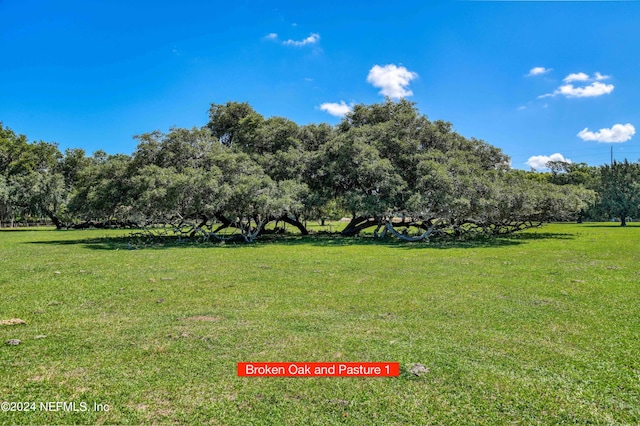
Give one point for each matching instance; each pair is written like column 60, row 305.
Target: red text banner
column 318, row 369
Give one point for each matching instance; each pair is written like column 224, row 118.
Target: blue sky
column 535, row 78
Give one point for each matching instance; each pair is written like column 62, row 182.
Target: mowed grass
column 538, row 328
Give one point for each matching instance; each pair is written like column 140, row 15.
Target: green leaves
column 382, row 161
column 30, row 183
column 620, row 189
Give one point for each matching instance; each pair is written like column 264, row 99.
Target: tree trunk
column 424, row 236
column 357, row 224
column 203, row 221
column 250, row 233
column 225, row 223
column 296, row 223
column 623, row 220
column 54, row 218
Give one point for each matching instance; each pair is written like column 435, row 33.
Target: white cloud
column 580, row 76
column 538, row 71
column 391, row 80
column 539, row 162
column 617, row 133
column 312, row 39
column 521, row 108
column 570, row 91
column 271, row 36
column 336, row 109
column 594, row 89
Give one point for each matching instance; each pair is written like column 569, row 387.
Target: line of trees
column 385, row 166
column 616, row 187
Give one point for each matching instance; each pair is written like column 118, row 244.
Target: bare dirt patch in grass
column 12, row 321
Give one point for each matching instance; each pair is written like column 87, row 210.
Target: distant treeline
column 385, row 166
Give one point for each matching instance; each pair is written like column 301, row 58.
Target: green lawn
column 538, row 328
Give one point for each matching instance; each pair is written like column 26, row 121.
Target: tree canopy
column 620, row 190
column 386, row 166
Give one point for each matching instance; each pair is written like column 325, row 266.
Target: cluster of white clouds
column 581, row 85
column 392, row 80
column 580, row 76
column 539, row 162
column 616, row 134
column 593, row 89
column 569, row 90
column 312, row 39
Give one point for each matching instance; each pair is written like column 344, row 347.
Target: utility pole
column 611, row 155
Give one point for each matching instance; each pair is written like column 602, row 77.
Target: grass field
column 539, row 328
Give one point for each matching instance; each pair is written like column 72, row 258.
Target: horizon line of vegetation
column 385, row 166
